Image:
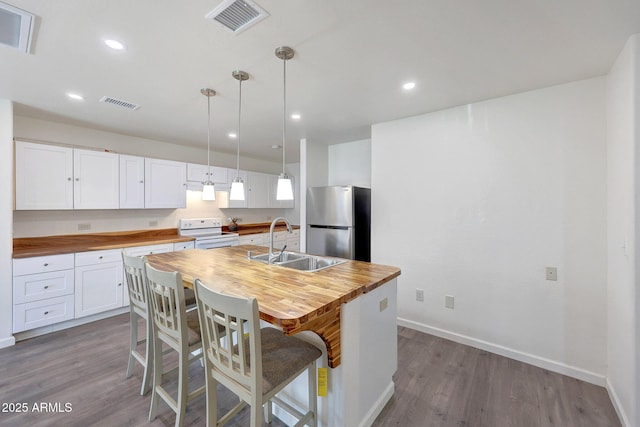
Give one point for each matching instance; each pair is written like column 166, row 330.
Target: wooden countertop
column 53, row 245
column 291, row 299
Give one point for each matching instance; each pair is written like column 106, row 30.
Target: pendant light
column 208, row 190
column 284, row 190
column 237, row 186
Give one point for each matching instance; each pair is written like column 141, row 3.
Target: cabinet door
column 44, row 176
column 200, row 173
column 232, row 173
column 165, row 184
column 98, row 288
column 95, row 180
column 131, row 182
column 258, row 190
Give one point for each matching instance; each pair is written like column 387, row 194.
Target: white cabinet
column 253, row 239
column 44, row 176
column 257, row 190
column 184, row 245
column 149, row 249
column 43, row 290
column 165, row 184
column 99, row 284
column 201, row 173
column 53, row 177
column 131, row 182
column 293, row 240
column 95, row 180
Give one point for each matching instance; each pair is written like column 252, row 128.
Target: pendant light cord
column 284, row 113
column 239, row 116
column 208, row 138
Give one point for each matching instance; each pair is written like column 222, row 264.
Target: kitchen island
column 349, row 310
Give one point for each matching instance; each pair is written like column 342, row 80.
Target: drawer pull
column 100, row 257
column 119, row 284
column 46, row 286
column 46, row 312
column 46, row 264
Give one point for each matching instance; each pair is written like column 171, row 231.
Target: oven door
column 216, row 242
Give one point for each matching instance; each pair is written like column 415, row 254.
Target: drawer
column 149, row 249
column 98, row 257
column 42, row 313
column 252, row 239
column 42, row 264
column 183, row 245
column 34, row 287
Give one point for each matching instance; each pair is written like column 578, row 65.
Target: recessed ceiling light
column 232, row 135
column 75, row 96
column 114, row 44
column 408, row 85
column 296, row 116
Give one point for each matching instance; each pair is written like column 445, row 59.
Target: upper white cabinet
column 44, row 176
column 201, row 173
column 131, row 182
column 54, row 177
column 257, row 190
column 95, row 180
column 165, row 184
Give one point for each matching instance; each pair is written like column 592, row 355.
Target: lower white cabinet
column 43, row 290
column 184, row 245
column 149, row 249
column 99, row 284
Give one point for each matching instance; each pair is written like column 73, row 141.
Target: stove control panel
column 195, row 223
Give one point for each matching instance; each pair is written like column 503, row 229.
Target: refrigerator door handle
column 331, row 227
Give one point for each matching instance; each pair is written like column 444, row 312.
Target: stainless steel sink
column 298, row 261
column 311, row 263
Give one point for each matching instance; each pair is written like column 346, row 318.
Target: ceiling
column 351, row 60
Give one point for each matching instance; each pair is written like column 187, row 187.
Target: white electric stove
column 207, row 232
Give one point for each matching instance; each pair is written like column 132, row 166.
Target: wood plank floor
column 438, row 383
column 442, row 383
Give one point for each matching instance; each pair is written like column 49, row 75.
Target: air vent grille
column 238, row 15
column 16, row 27
column 119, row 103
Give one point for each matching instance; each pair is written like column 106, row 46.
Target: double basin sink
column 298, row 261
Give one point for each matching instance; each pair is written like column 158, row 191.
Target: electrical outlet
column 551, row 273
column 449, row 301
column 419, row 295
column 153, row 223
column 84, row 227
column 384, row 303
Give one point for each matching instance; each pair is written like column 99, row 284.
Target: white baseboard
column 531, row 359
column 7, row 342
column 617, row 405
column 378, row 406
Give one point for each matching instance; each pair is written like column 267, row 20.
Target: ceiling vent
column 16, row 27
column 237, row 15
column 119, row 103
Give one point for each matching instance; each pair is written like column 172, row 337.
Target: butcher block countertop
column 291, row 299
column 54, row 245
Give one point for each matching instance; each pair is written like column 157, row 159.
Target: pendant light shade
column 208, row 189
column 237, row 186
column 284, row 190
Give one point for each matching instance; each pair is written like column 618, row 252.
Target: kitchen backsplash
column 49, row 223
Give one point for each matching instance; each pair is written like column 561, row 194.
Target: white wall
column 45, row 223
column 350, row 163
column 623, row 116
column 476, row 201
column 6, row 221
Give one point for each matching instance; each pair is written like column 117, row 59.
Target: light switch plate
column 449, row 301
column 551, row 273
column 419, row 295
column 384, row 303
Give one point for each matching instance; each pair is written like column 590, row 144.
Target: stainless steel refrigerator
column 339, row 222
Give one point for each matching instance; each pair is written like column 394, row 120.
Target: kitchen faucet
column 273, row 225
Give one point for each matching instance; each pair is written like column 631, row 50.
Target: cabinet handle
column 119, row 284
column 69, row 179
column 46, row 286
column 46, row 312
column 100, row 257
column 77, row 179
column 141, row 182
column 46, row 264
